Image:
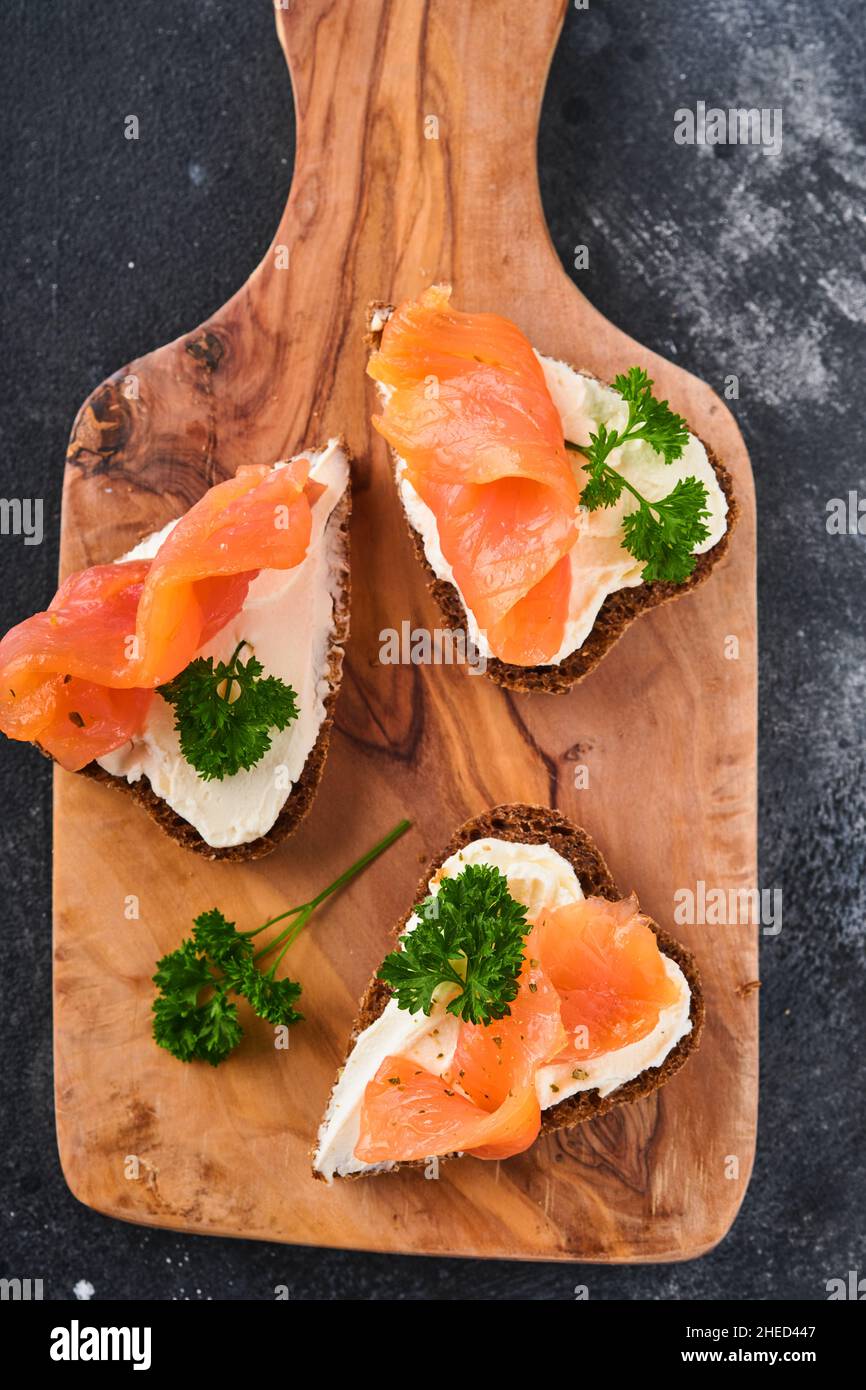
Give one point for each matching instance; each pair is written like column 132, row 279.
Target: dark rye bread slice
column 618, row 611
column 537, row 825
column 300, row 798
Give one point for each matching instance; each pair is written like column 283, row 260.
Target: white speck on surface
column 197, row 174
column 846, row 293
column 83, row 1290
column 755, row 226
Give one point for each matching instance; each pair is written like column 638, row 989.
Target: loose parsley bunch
column 662, row 534
column 470, row 934
column 224, row 712
column 218, row 960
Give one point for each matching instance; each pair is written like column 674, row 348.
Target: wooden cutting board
column 415, row 162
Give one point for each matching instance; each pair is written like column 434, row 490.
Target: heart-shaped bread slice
column 628, row 994
column 471, row 539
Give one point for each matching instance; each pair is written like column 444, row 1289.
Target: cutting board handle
column 441, row 99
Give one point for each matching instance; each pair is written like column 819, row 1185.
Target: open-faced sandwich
column 200, row 670
column 549, row 509
column 524, row 995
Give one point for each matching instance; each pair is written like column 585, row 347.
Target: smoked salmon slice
column 486, row 1102
column 468, row 410
column 409, row 1113
column 592, row 974
column 489, row 1058
column 78, row 678
column 603, row 959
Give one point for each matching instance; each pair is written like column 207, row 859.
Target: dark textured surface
column 731, row 261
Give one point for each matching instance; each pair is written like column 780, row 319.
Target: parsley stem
column 399, row 829
column 236, row 653
column 304, row 911
column 289, row 934
column 633, row 490
column 288, row 941
column 608, row 468
column 272, row 921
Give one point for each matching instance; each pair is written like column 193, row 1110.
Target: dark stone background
column 730, row 261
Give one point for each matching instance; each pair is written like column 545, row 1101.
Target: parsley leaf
column 659, row 426
column 183, row 974
column 191, row 1031
column 470, row 935
column 209, row 1031
column 273, row 1000
column 661, row 534
column 218, row 938
column 218, row 960
column 224, row 713
column 664, row 535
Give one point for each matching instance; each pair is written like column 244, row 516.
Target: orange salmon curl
column 78, row 679
column 468, row 410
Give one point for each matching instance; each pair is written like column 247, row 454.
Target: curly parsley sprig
column 661, row 534
column 218, row 960
column 469, row 935
column 224, row 712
